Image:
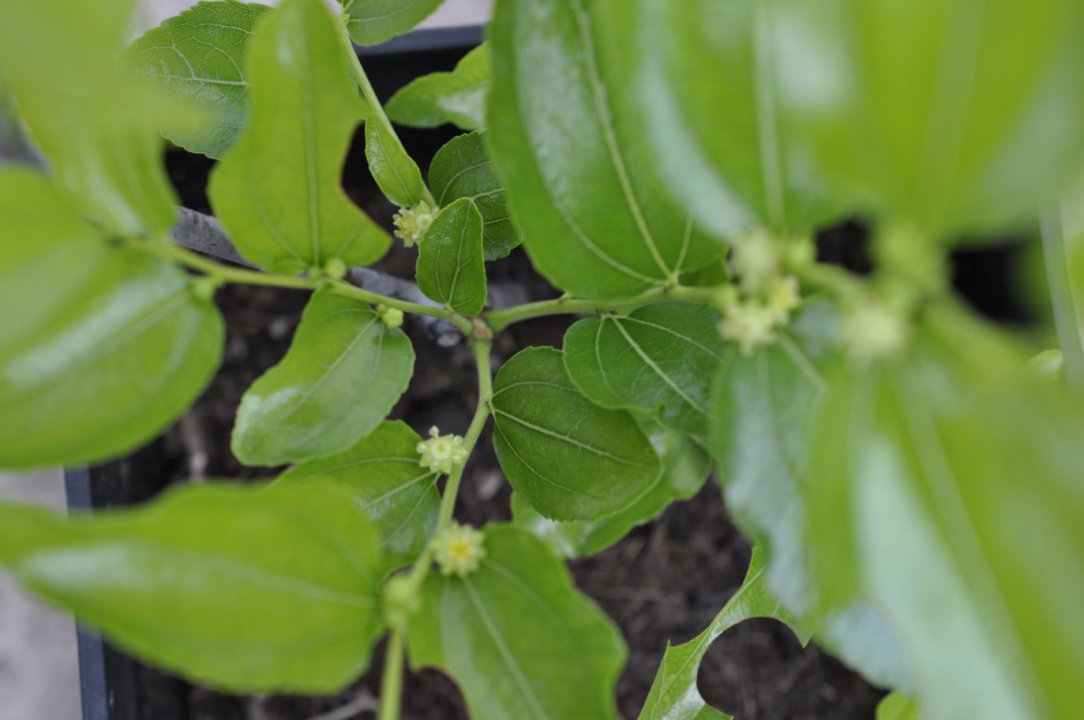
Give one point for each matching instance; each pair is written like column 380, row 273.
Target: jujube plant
column 913, row 483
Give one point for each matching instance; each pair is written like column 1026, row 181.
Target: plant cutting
column 909, row 472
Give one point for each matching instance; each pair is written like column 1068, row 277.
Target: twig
column 364, row 702
column 205, row 235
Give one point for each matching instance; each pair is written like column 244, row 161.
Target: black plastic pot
column 113, row 685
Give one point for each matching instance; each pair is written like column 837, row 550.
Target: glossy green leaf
column 706, row 80
column 594, row 219
column 517, row 636
column 685, row 468
column 102, row 347
column 457, row 97
column 462, row 169
column 343, row 373
column 978, row 127
column 394, row 171
column 199, row 57
column 762, row 413
column 384, row 477
column 85, row 40
column 451, row 267
column 94, row 124
column 658, row 359
column 372, row 22
column 105, row 152
column 956, row 467
column 898, row 707
column 278, row 190
column 242, row 588
column 569, row 458
column 674, row 694
column 763, row 408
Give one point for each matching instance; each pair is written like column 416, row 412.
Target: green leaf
column 659, row 359
column 343, row 373
column 685, row 468
column 517, row 636
column 94, row 124
column 387, row 483
column 278, row 190
column 451, row 268
column 762, row 410
column 462, row 169
column 243, row 588
column 198, row 57
column 898, row 707
column 457, row 97
column 372, row 22
column 394, row 171
column 106, row 154
column 705, row 78
column 84, row 40
column 762, row 415
column 981, row 126
column 102, row 346
column 594, row 219
column 570, row 459
column 951, row 468
column 674, row 694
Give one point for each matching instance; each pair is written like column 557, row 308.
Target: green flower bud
column 204, row 288
column 335, row 269
column 391, row 317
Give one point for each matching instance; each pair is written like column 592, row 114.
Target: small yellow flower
column 749, row 324
column 411, row 223
column 872, row 331
column 786, row 297
column 756, row 258
column 459, row 549
column 442, row 453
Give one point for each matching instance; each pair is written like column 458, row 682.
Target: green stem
column 481, row 351
column 376, row 109
column 1066, row 322
column 566, row 305
column 477, row 424
column 220, row 274
column 353, row 291
column 391, row 686
column 832, row 278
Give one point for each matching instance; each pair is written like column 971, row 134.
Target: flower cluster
column 459, row 549
column 411, row 223
column 873, row 330
column 442, row 453
column 764, row 298
column 391, row 317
